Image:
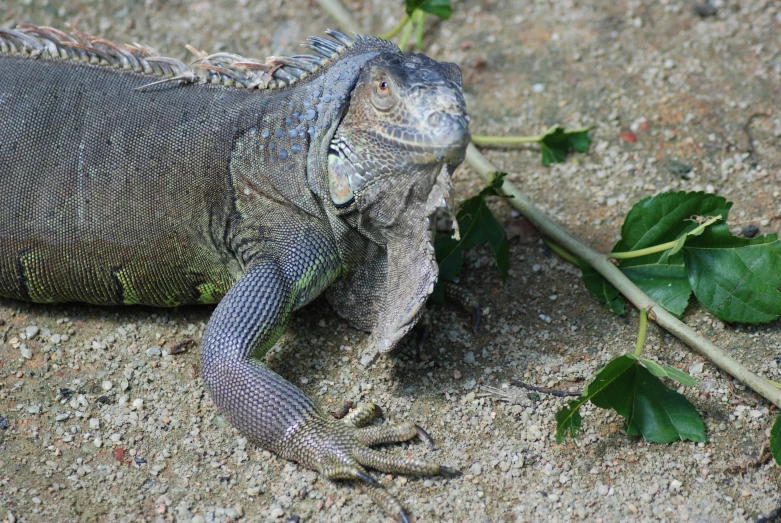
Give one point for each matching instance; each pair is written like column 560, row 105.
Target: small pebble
column 476, row 469
column 31, row 331
column 62, row 417
column 25, row 351
column 469, row 357
column 155, row 351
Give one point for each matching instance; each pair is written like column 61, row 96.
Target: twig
column 638, row 298
column 341, row 15
column 747, row 130
column 544, row 390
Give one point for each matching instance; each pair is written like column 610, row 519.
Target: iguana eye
column 382, row 96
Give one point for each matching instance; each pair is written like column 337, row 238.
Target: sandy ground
column 105, row 425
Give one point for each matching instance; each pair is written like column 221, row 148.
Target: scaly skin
column 123, row 187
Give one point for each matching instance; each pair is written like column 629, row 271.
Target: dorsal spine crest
column 225, row 69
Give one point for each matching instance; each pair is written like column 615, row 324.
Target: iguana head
column 406, row 119
column 403, row 133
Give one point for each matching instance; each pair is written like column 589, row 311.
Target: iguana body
column 321, row 171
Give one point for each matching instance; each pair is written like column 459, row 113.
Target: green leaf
column 439, row 8
column 680, row 376
column 736, row 279
column 477, row 225
column 661, row 219
column 569, row 421
column 654, row 368
column 775, row 440
column 602, row 289
column 557, row 142
column 666, row 372
column 649, row 409
column 666, row 217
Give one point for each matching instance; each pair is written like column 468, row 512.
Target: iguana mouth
column 452, row 148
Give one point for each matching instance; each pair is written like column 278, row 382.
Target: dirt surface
column 106, row 425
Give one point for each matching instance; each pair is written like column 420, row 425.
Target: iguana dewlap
column 129, row 178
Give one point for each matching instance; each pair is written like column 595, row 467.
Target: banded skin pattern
column 131, row 178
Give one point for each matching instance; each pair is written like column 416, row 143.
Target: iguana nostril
column 434, row 119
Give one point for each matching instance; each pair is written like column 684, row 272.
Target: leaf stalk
column 488, row 140
column 641, row 332
column 561, row 252
column 393, row 32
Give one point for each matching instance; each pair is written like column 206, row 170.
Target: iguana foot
column 340, row 449
column 466, row 300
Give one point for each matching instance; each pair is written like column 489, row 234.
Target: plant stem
column 641, row 333
column 405, row 36
column 481, row 139
column 561, row 252
column 638, row 298
column 664, row 246
column 642, row 252
column 420, row 17
column 393, row 32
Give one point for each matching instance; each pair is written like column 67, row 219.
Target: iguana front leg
column 270, row 410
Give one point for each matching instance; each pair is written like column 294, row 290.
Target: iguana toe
column 341, row 449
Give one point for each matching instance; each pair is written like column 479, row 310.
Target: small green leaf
column 661, row 219
column 649, row 409
column 668, row 372
column 736, row 279
column 680, row 376
column 775, row 440
column 439, row 8
column 569, row 421
column 654, row 368
column 557, row 142
column 477, row 225
column 602, row 289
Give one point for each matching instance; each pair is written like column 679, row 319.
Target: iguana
column 131, row 178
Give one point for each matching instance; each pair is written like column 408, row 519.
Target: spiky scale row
column 225, row 69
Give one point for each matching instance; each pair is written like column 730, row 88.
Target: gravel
column 660, row 83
